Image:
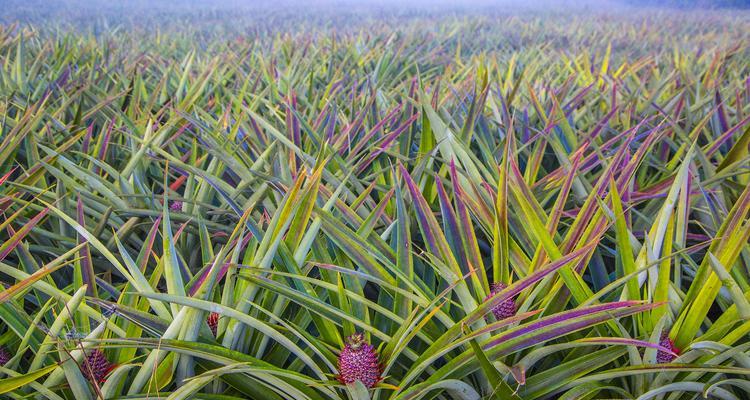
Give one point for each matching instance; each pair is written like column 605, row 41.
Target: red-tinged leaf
column 6, row 176
column 18, row 236
column 145, row 252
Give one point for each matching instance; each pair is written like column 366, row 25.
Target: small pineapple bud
column 505, row 309
column 5, row 356
column 662, row 357
column 96, row 366
column 213, row 322
column 358, row 361
column 176, row 206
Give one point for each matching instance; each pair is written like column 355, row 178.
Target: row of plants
column 414, row 205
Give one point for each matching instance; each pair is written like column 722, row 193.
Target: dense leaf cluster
column 244, row 201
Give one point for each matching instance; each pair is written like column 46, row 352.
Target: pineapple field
column 343, row 200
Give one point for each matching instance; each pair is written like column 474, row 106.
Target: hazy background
column 235, row 14
column 633, row 26
column 82, row 11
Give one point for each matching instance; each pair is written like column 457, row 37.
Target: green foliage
column 306, row 178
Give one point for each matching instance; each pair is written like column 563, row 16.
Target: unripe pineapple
column 358, row 361
column 5, row 356
column 662, row 357
column 213, row 322
column 95, row 366
column 505, row 309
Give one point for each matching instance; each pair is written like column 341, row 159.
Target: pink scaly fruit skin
column 5, row 356
column 176, row 206
column 358, row 361
column 96, row 366
column 507, row 308
column 213, row 322
column 662, row 357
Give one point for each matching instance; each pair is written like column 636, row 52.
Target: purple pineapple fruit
column 96, row 366
column 662, row 357
column 176, row 206
column 505, row 309
column 5, row 356
column 358, row 361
